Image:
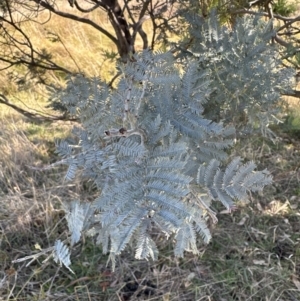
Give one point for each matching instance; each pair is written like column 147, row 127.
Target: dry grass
column 254, row 254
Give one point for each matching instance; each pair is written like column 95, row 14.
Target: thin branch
column 78, row 19
column 54, row 67
column 110, row 84
column 294, row 93
column 269, row 9
column 289, row 23
column 281, row 41
column 34, row 116
column 9, row 10
column 59, row 38
column 289, row 33
column 128, row 9
column 17, row 28
column 137, row 26
column 85, row 10
column 155, row 26
column 31, row 61
column 138, row 29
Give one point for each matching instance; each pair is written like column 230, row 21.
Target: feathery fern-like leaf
column 234, row 183
column 61, row 255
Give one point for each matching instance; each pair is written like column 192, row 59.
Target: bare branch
column 294, row 93
column 28, row 56
column 129, row 11
column 85, row 10
column 78, row 19
column 138, row 29
column 289, row 23
column 34, row 116
column 281, row 41
column 110, row 84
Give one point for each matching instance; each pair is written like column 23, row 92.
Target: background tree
column 127, row 18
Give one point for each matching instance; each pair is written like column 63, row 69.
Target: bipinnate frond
column 145, row 246
column 233, row 183
column 78, row 216
column 200, row 226
column 71, row 172
column 186, row 240
column 61, row 254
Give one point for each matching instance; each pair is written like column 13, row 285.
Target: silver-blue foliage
column 150, row 144
column 245, row 69
column 61, row 254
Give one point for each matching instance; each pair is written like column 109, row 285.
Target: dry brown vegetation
column 254, row 254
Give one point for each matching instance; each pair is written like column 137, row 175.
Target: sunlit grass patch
column 23, row 145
